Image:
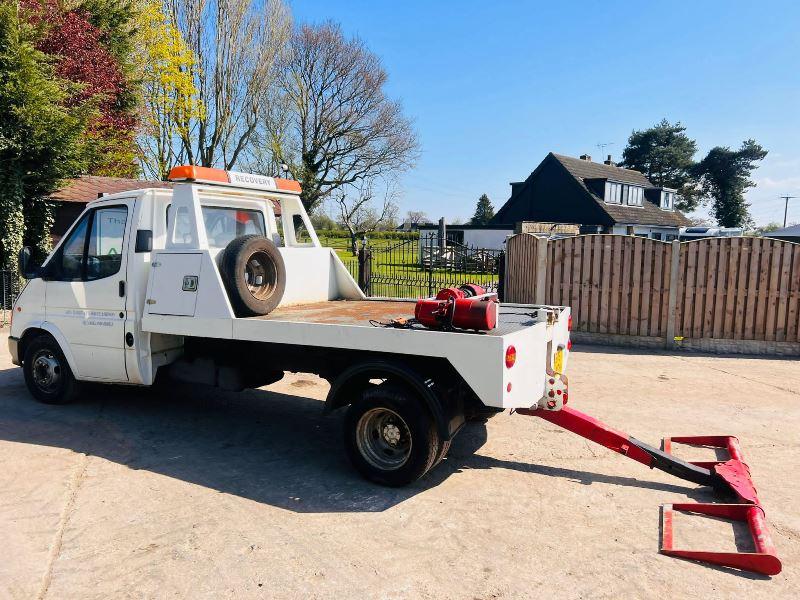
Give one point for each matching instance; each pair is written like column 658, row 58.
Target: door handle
column 121, row 289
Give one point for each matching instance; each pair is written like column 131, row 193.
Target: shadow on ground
column 269, row 447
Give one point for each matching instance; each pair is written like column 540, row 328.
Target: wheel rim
column 261, row 275
column 46, row 371
column 383, row 439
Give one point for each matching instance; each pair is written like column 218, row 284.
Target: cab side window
column 104, row 252
column 70, row 267
column 94, row 248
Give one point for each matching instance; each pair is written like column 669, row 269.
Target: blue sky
column 493, row 86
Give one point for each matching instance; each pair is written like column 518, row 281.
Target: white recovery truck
column 222, row 281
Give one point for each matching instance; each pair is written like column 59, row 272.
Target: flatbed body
column 364, row 326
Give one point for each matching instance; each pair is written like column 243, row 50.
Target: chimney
column 609, row 162
column 585, row 157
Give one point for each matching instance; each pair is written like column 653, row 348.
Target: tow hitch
column 730, row 477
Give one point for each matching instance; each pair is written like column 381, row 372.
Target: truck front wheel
column 390, row 436
column 47, row 373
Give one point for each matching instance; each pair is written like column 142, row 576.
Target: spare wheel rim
column 260, row 275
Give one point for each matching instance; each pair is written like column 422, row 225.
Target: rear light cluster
column 511, row 356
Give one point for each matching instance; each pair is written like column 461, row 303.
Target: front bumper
column 13, row 349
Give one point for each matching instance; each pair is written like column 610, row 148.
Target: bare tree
column 416, row 217
column 357, row 212
column 340, row 128
column 238, row 46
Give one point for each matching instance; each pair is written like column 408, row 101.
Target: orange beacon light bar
column 197, row 174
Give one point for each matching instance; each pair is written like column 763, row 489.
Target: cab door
column 87, row 287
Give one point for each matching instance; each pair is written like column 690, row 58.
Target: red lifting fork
column 731, row 476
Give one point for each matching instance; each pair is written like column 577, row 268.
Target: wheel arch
column 46, row 328
column 354, row 380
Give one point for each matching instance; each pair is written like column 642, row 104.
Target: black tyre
column 47, row 373
column 390, row 436
column 254, row 274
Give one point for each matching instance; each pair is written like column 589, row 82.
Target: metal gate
column 418, row 268
column 9, row 288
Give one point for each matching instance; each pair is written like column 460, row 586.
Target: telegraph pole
column 786, row 208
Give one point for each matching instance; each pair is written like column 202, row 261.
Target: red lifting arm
column 731, row 476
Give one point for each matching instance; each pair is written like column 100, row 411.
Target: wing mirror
column 26, row 268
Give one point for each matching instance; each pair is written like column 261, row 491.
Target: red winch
column 466, row 307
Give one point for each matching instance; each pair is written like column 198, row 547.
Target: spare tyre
column 254, row 274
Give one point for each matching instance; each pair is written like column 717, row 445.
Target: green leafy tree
column 665, row 154
column 724, row 177
column 484, row 211
column 169, row 97
column 40, row 136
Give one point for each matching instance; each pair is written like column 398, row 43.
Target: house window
column 667, row 200
column 620, row 193
column 613, row 192
column 633, row 195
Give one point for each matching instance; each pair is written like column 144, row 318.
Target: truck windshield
column 222, row 224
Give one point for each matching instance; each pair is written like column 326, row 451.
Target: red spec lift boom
column 730, row 477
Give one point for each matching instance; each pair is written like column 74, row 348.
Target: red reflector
column 508, row 387
column 569, row 345
column 569, row 323
column 511, row 356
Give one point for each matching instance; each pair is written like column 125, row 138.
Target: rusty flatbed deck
column 365, row 313
column 344, row 312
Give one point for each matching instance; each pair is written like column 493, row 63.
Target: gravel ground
column 126, row 494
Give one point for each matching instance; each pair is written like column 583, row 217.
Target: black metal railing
column 419, row 268
column 9, row 289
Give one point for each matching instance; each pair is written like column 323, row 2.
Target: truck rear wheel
column 390, row 436
column 47, row 373
column 254, row 274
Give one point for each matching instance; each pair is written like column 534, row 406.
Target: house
column 71, row 199
column 489, row 237
column 787, row 234
column 600, row 197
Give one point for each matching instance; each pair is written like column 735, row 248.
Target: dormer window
column 667, row 200
column 623, row 193
column 613, row 193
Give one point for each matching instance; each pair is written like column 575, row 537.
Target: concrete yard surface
column 129, row 493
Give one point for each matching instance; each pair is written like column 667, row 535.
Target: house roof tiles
column 89, row 187
column 647, row 214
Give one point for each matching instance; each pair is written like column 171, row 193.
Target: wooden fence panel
column 726, row 288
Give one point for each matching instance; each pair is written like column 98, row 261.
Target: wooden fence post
column 541, row 270
column 669, row 341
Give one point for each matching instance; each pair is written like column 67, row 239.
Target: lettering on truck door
column 86, row 289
